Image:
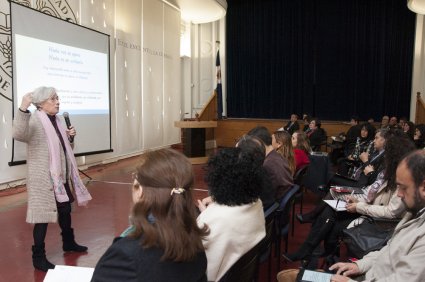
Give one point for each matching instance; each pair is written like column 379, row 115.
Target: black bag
column 368, row 236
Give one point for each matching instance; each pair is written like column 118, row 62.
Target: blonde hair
column 286, row 150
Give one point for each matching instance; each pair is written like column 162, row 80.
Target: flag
column 218, row 89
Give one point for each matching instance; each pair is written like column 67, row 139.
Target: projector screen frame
column 14, row 162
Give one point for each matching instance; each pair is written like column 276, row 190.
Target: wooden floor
column 95, row 225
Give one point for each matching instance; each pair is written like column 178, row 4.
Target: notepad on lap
column 337, row 205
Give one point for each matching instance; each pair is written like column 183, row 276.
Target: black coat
column 126, row 260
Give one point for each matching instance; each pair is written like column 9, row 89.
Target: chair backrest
column 284, row 211
column 269, row 215
column 299, row 174
column 245, row 268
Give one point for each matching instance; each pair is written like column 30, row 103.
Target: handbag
column 370, row 235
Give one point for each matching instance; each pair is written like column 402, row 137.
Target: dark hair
column 355, row 118
column 234, row 177
column 420, row 142
column 175, row 229
column 253, row 145
column 397, row 145
column 415, row 162
column 370, row 130
column 411, row 131
column 317, row 121
column 262, row 133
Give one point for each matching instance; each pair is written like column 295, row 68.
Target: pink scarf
column 56, row 174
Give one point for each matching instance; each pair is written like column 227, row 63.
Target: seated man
column 292, row 125
column 402, row 258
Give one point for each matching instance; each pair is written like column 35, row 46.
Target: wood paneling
column 420, row 109
column 229, row 131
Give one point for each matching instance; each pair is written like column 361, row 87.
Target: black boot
column 39, row 259
column 318, row 232
column 69, row 244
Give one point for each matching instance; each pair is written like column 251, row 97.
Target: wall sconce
column 416, row 6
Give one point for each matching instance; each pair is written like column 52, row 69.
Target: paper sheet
column 334, row 203
column 65, row 273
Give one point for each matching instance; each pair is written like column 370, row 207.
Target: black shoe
column 39, row 260
column 304, row 218
column 74, row 247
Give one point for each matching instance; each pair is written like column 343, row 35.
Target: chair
column 246, row 268
column 283, row 220
column 266, row 248
column 298, row 179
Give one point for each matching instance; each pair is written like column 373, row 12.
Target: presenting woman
column 164, row 242
column 52, row 171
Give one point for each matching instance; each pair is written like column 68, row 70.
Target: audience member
column 281, row 142
column 380, row 201
column 385, row 122
column 402, row 258
column 164, row 242
column 301, row 149
column 409, row 129
column 253, row 145
column 315, row 134
column 275, row 165
column 401, row 122
column 393, row 124
column 419, row 137
column 363, row 143
column 371, row 165
column 292, row 125
column 234, row 212
column 306, row 119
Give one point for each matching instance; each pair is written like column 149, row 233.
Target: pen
column 337, row 202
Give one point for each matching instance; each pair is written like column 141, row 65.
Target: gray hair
column 42, row 94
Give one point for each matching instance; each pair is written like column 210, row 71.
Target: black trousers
column 64, row 219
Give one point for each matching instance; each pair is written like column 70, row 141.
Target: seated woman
column 253, row 145
column 381, row 201
column 234, row 212
column 363, row 143
column 281, row 142
column 301, row 149
column 419, row 137
column 164, row 242
column 316, row 135
column 409, row 129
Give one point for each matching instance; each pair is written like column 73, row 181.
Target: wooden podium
column 194, row 139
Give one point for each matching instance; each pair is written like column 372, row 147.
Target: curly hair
column 397, row 145
column 286, row 150
column 234, row 177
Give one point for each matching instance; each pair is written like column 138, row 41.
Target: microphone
column 68, row 124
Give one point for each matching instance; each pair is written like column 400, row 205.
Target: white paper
column 337, row 205
column 65, row 273
column 316, row 276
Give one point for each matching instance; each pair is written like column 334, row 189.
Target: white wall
column 145, row 75
column 418, row 77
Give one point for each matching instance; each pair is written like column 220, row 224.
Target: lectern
column 194, row 139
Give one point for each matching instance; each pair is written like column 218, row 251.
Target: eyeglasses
column 54, row 98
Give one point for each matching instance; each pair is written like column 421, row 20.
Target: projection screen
column 48, row 51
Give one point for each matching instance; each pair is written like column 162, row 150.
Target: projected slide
column 80, row 76
column 48, row 51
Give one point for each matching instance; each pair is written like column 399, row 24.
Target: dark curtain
column 327, row 58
